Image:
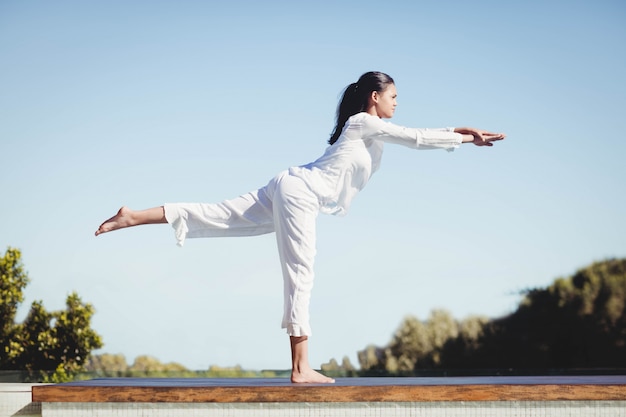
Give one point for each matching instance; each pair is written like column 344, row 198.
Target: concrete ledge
column 16, row 400
column 360, row 409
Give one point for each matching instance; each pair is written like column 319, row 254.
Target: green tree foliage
column 52, row 346
column 419, row 345
column 109, row 365
column 13, row 279
column 334, row 369
column 114, row 364
column 147, row 364
column 577, row 322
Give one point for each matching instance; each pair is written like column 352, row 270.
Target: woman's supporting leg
column 301, row 371
column 295, row 212
column 126, row 217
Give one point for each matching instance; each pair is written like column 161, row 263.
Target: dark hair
column 356, row 97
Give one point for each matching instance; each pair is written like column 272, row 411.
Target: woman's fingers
column 490, row 137
column 486, row 138
column 481, row 137
column 494, row 135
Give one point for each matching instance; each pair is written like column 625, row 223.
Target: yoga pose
column 289, row 204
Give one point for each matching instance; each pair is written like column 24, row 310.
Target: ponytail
column 355, row 98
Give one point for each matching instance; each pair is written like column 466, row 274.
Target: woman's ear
column 374, row 96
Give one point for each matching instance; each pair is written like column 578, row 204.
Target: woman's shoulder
column 360, row 115
column 364, row 117
column 368, row 121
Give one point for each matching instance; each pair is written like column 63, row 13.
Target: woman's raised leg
column 126, row 217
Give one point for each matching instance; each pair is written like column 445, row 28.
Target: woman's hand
column 479, row 137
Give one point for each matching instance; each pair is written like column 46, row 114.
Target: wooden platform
column 345, row 390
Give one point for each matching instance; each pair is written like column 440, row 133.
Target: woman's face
column 385, row 102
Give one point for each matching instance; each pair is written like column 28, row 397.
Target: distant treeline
column 577, row 324
column 115, row 365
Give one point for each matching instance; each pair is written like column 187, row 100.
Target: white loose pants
column 286, row 206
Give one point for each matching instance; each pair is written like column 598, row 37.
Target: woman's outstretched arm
column 126, row 217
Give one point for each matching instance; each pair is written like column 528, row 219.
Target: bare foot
column 309, row 376
column 123, row 218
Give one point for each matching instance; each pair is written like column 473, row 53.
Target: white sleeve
column 443, row 138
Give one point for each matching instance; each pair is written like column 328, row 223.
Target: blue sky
column 104, row 104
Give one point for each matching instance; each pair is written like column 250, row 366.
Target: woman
column 289, row 204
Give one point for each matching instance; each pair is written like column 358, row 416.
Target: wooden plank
column 607, row 388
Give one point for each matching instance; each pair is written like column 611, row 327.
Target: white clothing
column 290, row 202
column 347, row 165
column 285, row 206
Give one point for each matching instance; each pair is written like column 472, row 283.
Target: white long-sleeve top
column 347, row 165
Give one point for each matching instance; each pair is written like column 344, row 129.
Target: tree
column 51, row 346
column 575, row 323
column 410, row 344
column 148, row 364
column 13, row 279
column 110, row 364
column 414, row 345
column 335, row 369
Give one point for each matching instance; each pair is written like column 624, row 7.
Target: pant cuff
column 297, row 330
